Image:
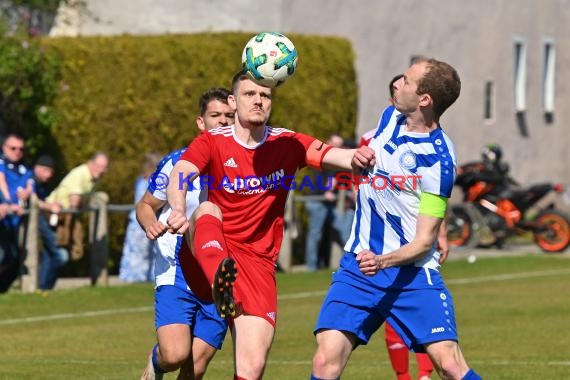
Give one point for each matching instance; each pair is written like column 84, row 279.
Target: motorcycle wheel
column 459, row 227
column 554, row 231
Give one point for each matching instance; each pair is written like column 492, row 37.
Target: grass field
column 513, row 317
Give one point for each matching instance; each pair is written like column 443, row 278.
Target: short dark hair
column 46, row 160
column 216, row 93
column 14, row 135
column 441, row 82
column 391, row 84
column 238, row 77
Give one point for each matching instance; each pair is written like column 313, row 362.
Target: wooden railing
column 97, row 240
column 285, row 255
column 98, row 237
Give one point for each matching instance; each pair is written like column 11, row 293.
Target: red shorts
column 255, row 289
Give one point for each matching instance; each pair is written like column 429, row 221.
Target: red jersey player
column 250, row 168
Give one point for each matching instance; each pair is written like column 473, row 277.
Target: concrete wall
column 476, row 37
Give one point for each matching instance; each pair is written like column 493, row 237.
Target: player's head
column 251, row 101
column 214, row 109
column 391, row 87
column 441, row 82
column 427, row 83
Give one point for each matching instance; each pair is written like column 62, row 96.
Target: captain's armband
column 433, row 205
column 315, row 154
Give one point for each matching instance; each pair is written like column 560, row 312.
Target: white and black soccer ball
column 269, row 58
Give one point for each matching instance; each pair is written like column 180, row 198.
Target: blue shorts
column 174, row 305
column 414, row 300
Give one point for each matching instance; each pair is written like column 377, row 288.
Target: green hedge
column 129, row 95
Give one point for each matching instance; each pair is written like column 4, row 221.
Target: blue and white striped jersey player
column 390, row 269
column 189, row 330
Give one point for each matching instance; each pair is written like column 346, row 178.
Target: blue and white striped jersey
column 407, row 164
column 167, row 268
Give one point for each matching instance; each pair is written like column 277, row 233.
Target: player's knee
column 208, row 208
column 255, row 367
column 173, row 357
column 200, row 366
column 448, row 359
column 324, row 366
column 199, row 370
column 449, row 368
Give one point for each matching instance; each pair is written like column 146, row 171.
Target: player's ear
column 232, row 101
column 200, row 123
column 425, row 100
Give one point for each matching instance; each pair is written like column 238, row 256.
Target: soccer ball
column 269, row 58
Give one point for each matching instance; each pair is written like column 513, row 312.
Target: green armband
column 433, row 205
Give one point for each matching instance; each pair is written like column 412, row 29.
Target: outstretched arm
column 348, row 159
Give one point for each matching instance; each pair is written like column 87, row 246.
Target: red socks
column 209, row 244
column 398, row 352
column 425, row 366
column 209, row 249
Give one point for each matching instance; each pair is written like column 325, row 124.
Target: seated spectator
column 74, row 192
column 52, row 256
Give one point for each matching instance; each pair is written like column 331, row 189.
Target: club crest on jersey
column 408, row 160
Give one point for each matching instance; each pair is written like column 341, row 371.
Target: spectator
column 136, row 259
column 343, row 221
column 320, row 211
column 16, row 188
column 52, row 256
column 74, row 191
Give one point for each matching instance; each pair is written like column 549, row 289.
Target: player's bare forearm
column 146, row 210
column 347, row 159
column 426, row 232
column 181, row 176
column 442, row 242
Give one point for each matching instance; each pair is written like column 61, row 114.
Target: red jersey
column 250, row 183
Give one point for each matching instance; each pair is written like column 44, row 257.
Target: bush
column 129, row 95
column 28, row 81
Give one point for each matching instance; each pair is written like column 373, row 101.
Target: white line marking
column 292, row 296
column 295, row 296
column 53, row 317
column 221, row 363
column 506, row 277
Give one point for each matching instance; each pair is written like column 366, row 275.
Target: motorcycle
column 494, row 208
